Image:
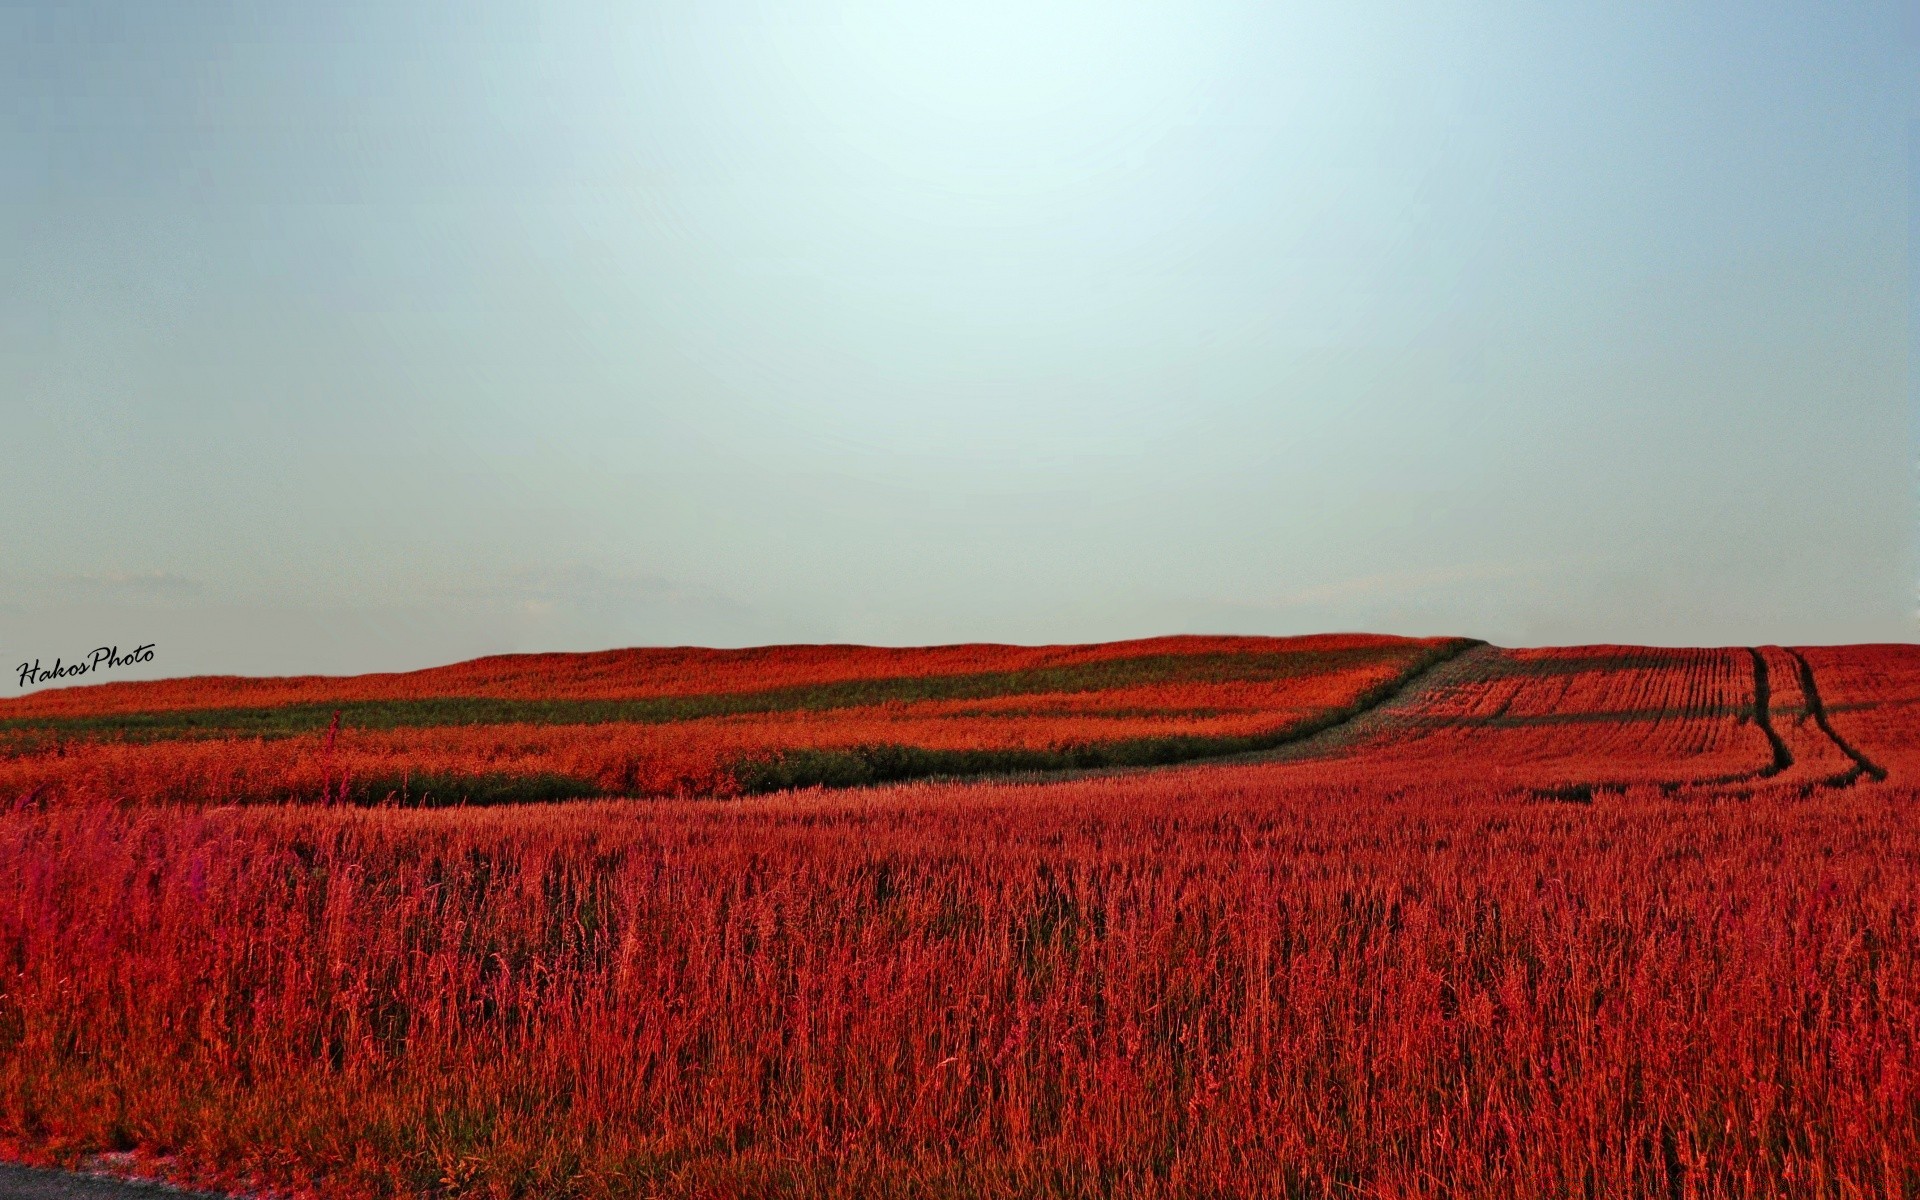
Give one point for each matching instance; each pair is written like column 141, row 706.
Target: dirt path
column 1344, row 732
column 33, row 1183
column 1460, row 670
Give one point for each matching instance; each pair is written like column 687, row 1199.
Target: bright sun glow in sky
column 373, row 335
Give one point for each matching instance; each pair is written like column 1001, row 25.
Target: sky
column 374, row 335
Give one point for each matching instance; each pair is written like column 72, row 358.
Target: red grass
column 1381, row 973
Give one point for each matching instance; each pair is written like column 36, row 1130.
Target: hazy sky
column 361, row 335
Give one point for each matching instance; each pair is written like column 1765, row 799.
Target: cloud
column 134, row 583
column 582, row 588
column 584, row 605
column 1390, row 585
column 116, row 587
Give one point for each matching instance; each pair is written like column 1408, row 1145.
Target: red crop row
column 1588, row 714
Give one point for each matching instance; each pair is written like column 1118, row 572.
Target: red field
column 642, row 673
column 1595, row 922
column 687, row 722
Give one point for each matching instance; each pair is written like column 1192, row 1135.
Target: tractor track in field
column 1466, row 670
column 1763, row 717
column 1817, row 709
column 1393, row 713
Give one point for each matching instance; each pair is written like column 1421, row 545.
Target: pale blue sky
column 362, row 335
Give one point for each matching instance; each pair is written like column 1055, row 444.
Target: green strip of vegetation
column 25, row 734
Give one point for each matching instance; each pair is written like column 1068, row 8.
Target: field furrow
column 1594, row 715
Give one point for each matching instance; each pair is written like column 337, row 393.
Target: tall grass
column 1216, row 982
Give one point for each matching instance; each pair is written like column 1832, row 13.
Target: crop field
column 704, row 723
column 1334, row 917
column 1609, row 716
